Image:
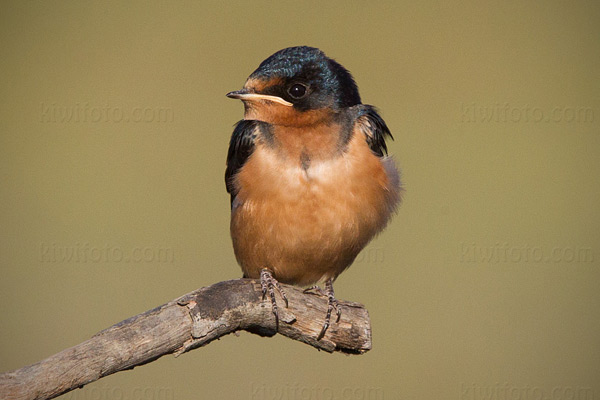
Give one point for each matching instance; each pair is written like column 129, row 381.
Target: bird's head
column 296, row 86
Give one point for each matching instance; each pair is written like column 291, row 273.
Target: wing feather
column 241, row 147
column 375, row 129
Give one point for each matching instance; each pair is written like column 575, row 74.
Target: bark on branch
column 186, row 323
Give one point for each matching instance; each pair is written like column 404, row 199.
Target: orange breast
column 308, row 224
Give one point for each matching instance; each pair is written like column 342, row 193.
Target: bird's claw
column 268, row 284
column 315, row 290
column 331, row 304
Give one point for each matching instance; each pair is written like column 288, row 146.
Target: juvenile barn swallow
column 308, row 173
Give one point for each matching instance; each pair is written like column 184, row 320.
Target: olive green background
column 114, row 128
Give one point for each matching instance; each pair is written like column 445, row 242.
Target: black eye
column 297, row 91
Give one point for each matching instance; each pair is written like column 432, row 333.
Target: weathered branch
column 186, row 323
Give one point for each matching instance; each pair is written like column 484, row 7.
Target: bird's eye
column 297, row 91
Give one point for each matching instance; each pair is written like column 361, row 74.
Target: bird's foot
column 268, row 284
column 331, row 304
column 315, row 290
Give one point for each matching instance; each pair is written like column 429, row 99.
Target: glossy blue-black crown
column 328, row 79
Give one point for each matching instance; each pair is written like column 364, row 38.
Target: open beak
column 244, row 95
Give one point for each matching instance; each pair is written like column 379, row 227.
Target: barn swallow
column 308, row 173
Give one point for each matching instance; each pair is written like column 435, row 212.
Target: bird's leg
column 331, row 304
column 268, row 284
column 315, row 289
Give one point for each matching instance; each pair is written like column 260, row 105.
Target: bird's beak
column 245, row 95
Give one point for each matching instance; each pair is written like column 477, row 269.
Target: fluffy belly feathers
column 308, row 224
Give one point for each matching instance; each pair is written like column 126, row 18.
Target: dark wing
column 375, row 129
column 241, row 146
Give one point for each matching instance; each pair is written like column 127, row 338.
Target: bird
column 308, row 174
